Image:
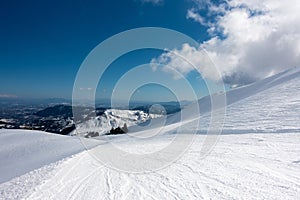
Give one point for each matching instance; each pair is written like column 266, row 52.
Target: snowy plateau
column 257, row 156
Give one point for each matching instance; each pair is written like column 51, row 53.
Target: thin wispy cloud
column 192, row 14
column 154, row 2
column 7, row 96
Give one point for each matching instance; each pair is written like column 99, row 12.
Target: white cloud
column 191, row 14
column 179, row 62
column 250, row 40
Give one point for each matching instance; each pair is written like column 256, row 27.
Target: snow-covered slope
column 113, row 118
column 288, row 81
column 22, row 151
column 257, row 157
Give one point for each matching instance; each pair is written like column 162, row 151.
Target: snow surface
column 22, row 151
column 256, row 157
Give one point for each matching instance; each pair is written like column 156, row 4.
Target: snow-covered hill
column 256, row 157
column 113, row 118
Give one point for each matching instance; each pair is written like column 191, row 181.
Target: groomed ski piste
column 257, row 156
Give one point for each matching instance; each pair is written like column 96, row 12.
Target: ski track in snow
column 257, row 157
column 234, row 170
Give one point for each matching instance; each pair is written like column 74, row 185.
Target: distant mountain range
column 56, row 115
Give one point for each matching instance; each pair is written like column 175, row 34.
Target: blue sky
column 43, row 43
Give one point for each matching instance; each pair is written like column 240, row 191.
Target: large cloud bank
column 249, row 40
